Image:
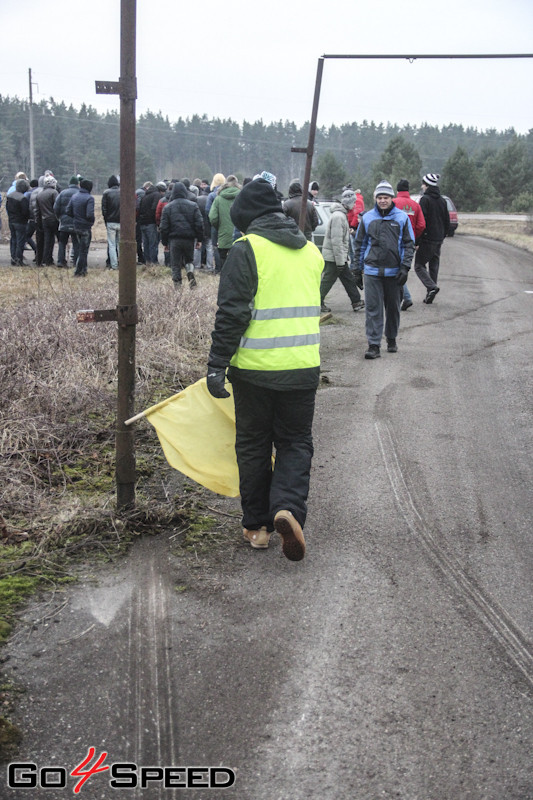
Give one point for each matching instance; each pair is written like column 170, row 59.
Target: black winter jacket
column 436, row 215
column 148, row 205
column 111, row 204
column 236, row 292
column 18, row 208
column 181, row 218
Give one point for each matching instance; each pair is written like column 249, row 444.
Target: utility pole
column 126, row 312
column 32, row 146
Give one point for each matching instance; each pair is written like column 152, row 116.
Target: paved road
column 395, row 661
column 496, row 217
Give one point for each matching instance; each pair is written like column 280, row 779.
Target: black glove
column 216, row 377
column 358, row 275
column 402, row 277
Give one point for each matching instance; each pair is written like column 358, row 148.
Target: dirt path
column 396, row 660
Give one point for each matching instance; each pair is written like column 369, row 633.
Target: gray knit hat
column 384, row 187
column 348, row 199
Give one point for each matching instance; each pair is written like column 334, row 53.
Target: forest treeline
column 481, row 170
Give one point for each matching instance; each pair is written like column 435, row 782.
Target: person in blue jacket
column 384, row 249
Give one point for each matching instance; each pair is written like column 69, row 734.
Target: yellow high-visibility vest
column 283, row 333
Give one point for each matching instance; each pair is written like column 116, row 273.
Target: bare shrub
column 58, row 381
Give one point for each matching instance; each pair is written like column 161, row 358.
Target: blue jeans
column 19, row 229
column 150, row 238
column 113, row 238
column 407, row 293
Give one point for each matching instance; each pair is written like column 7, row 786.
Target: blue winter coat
column 81, row 208
column 384, row 244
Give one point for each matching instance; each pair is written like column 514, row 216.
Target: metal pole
column 32, row 147
column 311, row 143
column 450, row 55
column 125, row 444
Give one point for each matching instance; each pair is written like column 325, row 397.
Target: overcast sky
column 258, row 60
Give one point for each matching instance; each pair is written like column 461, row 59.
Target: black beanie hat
column 403, row 185
column 86, row 184
column 254, row 200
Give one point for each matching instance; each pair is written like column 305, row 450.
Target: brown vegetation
column 58, row 383
column 519, row 233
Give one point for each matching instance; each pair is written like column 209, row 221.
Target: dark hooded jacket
column 181, row 218
column 111, row 201
column 238, row 287
column 436, row 214
column 292, row 208
column 18, row 205
column 148, row 205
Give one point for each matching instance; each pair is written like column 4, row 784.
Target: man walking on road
column 384, row 248
column 437, row 219
column 267, row 332
column 336, row 249
column 404, row 201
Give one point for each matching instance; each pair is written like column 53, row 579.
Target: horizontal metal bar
column 124, row 315
column 107, row 87
column 298, row 149
column 451, row 55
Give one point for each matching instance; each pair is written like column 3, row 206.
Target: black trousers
column 267, row 418
column 428, row 253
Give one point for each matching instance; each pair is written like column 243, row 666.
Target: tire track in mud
column 499, row 623
column 153, row 715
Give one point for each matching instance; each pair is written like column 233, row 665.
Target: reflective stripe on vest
column 283, row 337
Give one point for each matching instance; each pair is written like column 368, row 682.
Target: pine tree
column 462, row 182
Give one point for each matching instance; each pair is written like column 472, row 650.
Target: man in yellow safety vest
column 267, row 336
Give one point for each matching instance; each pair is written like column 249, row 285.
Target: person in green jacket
column 219, row 217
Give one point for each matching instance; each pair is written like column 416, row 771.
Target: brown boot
column 290, row 530
column 258, row 538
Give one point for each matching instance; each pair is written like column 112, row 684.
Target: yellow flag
column 197, row 434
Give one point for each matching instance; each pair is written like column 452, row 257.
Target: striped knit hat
column 431, row 179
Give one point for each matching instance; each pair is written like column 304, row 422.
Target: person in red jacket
column 404, row 201
column 353, row 221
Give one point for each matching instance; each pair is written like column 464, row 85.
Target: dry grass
column 514, row 232
column 58, row 382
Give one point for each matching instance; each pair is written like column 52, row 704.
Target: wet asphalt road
column 396, row 660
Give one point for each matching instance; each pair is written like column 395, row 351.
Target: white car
column 323, row 211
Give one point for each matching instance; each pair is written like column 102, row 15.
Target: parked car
column 454, row 219
column 323, row 211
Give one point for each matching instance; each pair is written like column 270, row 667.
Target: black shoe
column 373, row 351
column 392, row 347
column 431, row 295
column 406, row 304
column 359, row 305
column 324, row 309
